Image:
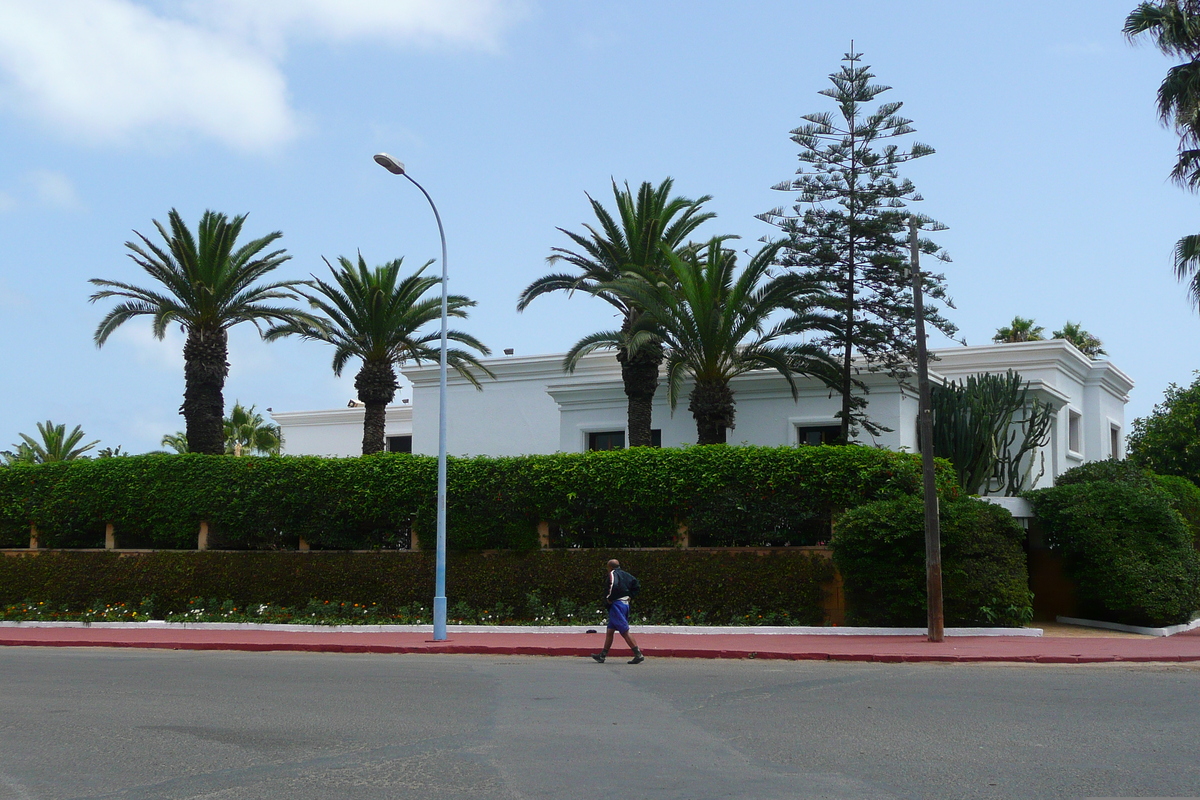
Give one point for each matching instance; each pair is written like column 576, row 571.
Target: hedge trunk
column 640, row 377
column 712, row 406
column 204, row 370
column 376, row 384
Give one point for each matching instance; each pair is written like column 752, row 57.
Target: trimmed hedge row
column 726, row 496
column 879, row 549
column 675, row 583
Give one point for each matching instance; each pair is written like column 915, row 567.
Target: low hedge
column 727, row 496
column 1129, row 552
column 879, row 549
column 718, row 587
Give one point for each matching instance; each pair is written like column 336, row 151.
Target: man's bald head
column 614, row 564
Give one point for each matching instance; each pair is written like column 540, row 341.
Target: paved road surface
column 98, row 723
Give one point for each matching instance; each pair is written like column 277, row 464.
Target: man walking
column 620, row 587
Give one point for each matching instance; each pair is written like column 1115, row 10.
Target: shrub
column 719, row 587
column 1110, row 471
column 1185, row 498
column 1183, row 495
column 1128, row 551
column 879, row 548
column 628, row 498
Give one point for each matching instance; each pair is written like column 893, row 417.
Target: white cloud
column 467, row 23
column 7, row 202
column 54, row 189
column 118, row 70
column 108, row 70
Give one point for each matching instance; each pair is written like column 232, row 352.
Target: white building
column 534, row 407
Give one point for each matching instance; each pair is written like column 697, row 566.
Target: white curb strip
column 781, row 630
column 1170, row 630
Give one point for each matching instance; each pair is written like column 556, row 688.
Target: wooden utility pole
column 933, row 532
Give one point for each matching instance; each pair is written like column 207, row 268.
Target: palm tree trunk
column 204, row 370
column 376, row 384
column 640, row 377
column 712, row 405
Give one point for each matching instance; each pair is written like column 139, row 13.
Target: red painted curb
column 568, row 651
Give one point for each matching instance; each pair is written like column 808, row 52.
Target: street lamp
column 439, row 594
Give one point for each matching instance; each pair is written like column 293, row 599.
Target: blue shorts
column 618, row 617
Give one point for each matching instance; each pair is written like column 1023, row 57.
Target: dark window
column 399, row 444
column 818, row 434
column 615, row 440
column 606, row 440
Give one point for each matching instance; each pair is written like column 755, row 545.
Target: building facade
column 533, row 406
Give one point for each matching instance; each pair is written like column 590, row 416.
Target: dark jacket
column 620, row 584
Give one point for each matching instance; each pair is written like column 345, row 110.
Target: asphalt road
column 94, row 723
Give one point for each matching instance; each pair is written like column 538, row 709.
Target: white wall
column 335, row 432
column 532, row 406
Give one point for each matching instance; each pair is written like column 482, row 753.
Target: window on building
column 1114, row 442
column 1074, row 437
column 817, row 434
column 399, row 444
column 606, row 440
column 615, row 440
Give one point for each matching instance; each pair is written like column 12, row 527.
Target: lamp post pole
column 439, row 594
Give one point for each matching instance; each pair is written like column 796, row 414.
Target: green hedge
column 719, row 586
column 1129, row 552
column 879, row 549
column 629, row 498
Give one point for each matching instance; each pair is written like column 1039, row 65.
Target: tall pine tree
column 849, row 230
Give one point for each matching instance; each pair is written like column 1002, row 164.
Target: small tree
column 1168, row 441
column 247, row 431
column 1084, row 342
column 849, row 231
column 55, row 445
column 1020, row 330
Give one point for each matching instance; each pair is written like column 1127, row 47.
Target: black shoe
column 637, row 658
column 599, row 657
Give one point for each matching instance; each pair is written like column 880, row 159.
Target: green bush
column 628, row 498
column 1110, row 471
column 879, row 549
column 682, row 585
column 1182, row 493
column 1128, row 551
column 1185, row 498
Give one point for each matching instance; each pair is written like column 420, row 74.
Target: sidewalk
column 1049, row 649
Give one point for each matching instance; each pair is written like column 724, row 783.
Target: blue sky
column 1050, row 168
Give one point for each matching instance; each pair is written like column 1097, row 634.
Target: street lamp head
column 390, row 164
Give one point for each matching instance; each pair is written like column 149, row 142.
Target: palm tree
column 177, row 441
column 377, row 316
column 714, row 324
column 1085, row 342
column 55, row 445
column 636, row 240
column 1174, row 26
column 1020, row 330
column 210, row 285
column 246, row 430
